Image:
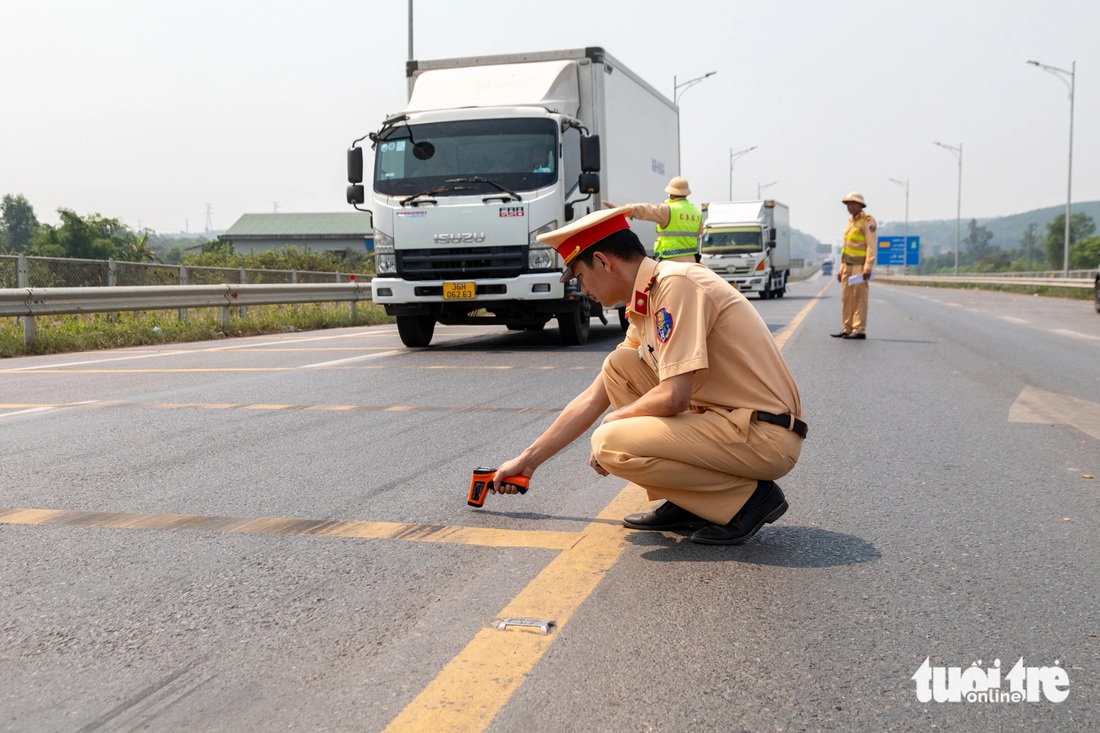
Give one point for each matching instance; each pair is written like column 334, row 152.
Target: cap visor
column 567, row 275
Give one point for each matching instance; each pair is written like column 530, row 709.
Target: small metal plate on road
column 538, row 624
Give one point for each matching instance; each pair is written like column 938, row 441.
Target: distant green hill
column 1007, row 230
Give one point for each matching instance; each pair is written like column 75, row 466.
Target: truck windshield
column 517, row 154
column 732, row 240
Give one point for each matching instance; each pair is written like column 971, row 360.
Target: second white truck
column 748, row 243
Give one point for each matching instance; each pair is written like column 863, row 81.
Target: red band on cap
column 582, row 240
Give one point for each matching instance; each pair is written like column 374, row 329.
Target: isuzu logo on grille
column 459, row 238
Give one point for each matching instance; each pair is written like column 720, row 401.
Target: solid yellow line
column 470, row 691
column 207, row 370
column 786, row 333
column 475, row 685
column 224, row 406
column 483, row 537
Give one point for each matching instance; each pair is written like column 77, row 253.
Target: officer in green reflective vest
column 678, row 223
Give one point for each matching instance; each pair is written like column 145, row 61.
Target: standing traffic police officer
column 857, row 259
column 678, row 223
column 705, row 415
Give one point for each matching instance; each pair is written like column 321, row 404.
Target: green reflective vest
column 681, row 236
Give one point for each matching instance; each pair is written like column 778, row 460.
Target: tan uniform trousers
column 853, row 300
column 707, row 462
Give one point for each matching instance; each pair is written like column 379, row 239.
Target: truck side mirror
column 355, row 167
column 589, row 183
column 356, row 194
column 590, row 154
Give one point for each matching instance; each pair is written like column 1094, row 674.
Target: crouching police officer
column 705, row 413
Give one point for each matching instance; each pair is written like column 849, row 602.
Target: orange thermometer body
column 479, row 485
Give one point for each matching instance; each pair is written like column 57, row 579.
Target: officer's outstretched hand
column 838, row 277
column 514, row 467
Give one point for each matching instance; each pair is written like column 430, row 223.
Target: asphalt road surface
column 271, row 534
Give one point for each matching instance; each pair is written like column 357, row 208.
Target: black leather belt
column 790, row 422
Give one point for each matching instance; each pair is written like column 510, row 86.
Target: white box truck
column 748, row 243
column 490, row 152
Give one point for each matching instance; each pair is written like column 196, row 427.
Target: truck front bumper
column 532, row 286
column 746, row 284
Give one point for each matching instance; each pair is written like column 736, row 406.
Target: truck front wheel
column 575, row 326
column 415, row 330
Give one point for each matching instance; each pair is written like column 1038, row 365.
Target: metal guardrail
column 30, row 302
column 1038, row 282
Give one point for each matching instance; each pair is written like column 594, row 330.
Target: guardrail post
column 294, row 281
column 353, row 309
column 242, row 310
column 183, row 281
column 112, row 281
column 22, row 279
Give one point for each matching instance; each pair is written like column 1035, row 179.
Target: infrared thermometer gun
column 479, row 485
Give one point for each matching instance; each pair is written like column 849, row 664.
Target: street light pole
column 958, row 152
column 733, row 157
column 410, row 30
column 676, row 94
column 905, row 185
column 687, row 85
column 1062, row 74
column 760, row 187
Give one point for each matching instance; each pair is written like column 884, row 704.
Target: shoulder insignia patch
column 662, row 322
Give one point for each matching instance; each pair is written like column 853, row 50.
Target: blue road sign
column 895, row 251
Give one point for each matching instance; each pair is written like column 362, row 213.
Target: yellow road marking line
column 484, row 537
column 474, row 686
column 786, row 333
column 221, row 406
column 470, row 691
column 202, row 370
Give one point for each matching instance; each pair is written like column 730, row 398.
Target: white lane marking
column 1076, row 334
column 1034, row 405
column 47, row 408
column 1013, row 319
column 97, row 361
column 178, row 352
column 349, row 360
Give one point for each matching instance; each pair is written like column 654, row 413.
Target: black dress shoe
column 665, row 516
column 855, row 335
column 841, row 335
column 766, row 505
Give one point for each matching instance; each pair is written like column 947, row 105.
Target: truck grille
column 452, row 263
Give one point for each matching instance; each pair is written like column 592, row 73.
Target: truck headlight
column 539, row 255
column 385, row 263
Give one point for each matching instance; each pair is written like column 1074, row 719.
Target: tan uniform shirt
column 869, row 227
column 691, row 320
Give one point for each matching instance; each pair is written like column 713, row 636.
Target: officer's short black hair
column 623, row 244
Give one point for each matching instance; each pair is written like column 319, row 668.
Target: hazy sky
column 149, row 111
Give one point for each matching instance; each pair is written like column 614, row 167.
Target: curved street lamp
column 733, row 157
column 905, row 184
column 761, row 187
column 1062, row 74
column 676, row 94
column 958, row 152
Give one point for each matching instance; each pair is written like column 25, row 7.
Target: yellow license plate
column 459, row 291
